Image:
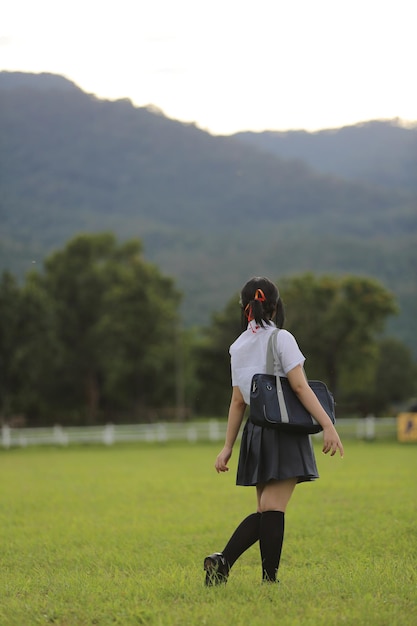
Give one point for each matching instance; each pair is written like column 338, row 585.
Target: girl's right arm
column 234, row 421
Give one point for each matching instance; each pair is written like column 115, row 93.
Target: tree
column 395, row 377
column 27, row 346
column 115, row 317
column 10, row 315
column 337, row 321
column 139, row 335
column 37, row 352
column 213, row 360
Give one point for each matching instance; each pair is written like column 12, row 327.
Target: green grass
column 95, row 535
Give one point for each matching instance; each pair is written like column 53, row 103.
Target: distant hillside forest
column 211, row 211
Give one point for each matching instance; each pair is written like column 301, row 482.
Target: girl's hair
column 260, row 301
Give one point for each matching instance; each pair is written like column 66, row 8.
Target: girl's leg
column 218, row 565
column 273, row 498
column 245, row 535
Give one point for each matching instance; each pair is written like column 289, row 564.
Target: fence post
column 108, row 435
column 60, row 437
column 370, row 427
column 6, row 439
column 162, row 434
column 366, row 428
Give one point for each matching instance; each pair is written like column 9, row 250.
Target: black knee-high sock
column 271, row 536
column 243, row 538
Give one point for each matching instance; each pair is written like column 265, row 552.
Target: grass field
column 96, row 535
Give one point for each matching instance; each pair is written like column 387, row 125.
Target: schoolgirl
column 271, row 460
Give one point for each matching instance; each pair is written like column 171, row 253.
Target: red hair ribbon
column 259, row 295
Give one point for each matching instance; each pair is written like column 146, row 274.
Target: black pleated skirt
column 270, row 454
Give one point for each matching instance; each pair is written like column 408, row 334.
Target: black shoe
column 217, row 569
column 267, row 579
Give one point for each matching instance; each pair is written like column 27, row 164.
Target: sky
column 227, row 65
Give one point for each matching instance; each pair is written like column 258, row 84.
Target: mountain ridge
column 363, row 157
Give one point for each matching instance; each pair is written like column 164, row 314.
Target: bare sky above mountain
column 227, row 65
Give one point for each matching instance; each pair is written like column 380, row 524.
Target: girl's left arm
column 299, row 384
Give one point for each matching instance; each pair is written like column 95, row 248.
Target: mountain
column 38, row 82
column 211, row 211
column 382, row 153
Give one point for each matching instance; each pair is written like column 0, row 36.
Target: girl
column 271, row 460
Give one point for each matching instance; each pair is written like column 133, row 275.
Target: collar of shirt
column 254, row 327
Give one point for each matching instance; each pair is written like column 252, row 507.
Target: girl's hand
column 223, row 459
column 331, row 441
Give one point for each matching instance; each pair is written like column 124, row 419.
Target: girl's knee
column 266, row 509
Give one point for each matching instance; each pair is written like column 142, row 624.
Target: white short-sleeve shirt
column 248, row 355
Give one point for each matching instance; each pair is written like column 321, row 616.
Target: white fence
column 212, row 430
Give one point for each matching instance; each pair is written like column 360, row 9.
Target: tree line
column 96, row 336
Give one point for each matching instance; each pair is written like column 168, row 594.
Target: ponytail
column 260, row 302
